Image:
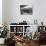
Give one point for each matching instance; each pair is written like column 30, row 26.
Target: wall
column 0, row 13
column 4, row 13
column 12, row 11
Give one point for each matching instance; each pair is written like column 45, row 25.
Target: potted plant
column 3, row 34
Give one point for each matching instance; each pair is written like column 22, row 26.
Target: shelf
column 19, row 25
column 12, row 32
column 19, row 32
column 16, row 32
column 18, row 28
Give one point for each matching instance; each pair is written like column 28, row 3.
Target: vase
column 2, row 40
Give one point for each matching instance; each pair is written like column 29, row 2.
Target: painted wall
column 4, row 11
column 12, row 11
column 0, row 13
column 15, row 11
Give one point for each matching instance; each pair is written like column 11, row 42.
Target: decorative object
column 4, row 32
column 28, row 33
column 2, row 40
column 35, row 21
column 26, row 9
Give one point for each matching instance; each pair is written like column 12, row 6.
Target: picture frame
column 26, row 9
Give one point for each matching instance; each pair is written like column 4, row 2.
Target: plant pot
column 2, row 40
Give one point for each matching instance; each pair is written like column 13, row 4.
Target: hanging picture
column 26, row 10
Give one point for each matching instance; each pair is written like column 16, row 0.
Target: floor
column 36, row 44
column 42, row 45
column 33, row 45
column 2, row 45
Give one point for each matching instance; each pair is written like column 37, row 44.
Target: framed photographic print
column 26, row 10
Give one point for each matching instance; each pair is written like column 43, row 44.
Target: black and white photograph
column 26, row 9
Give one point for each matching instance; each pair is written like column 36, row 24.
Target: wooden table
column 23, row 42
column 26, row 42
